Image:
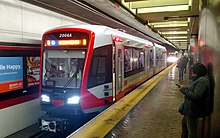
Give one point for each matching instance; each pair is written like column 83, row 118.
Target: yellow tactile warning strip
column 104, row 122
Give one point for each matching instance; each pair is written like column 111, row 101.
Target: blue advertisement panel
column 11, row 73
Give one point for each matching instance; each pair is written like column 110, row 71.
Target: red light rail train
column 86, row 68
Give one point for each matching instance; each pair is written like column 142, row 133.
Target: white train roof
column 99, row 30
column 159, row 46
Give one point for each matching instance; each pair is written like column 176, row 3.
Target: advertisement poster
column 33, row 71
column 11, row 74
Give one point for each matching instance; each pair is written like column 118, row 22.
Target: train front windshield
column 63, row 68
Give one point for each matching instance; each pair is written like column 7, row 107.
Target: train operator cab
column 63, row 62
column 62, row 77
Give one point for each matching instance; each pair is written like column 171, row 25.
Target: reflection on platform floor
column 156, row 116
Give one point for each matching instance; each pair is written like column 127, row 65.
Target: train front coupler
column 53, row 124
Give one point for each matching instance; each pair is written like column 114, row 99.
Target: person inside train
column 53, row 71
column 197, row 101
column 75, row 71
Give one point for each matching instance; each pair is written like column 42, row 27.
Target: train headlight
column 73, row 100
column 45, row 98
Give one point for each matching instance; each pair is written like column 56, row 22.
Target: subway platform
column 156, row 115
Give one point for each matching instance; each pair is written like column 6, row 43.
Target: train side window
column 100, row 71
column 160, row 58
column 151, row 55
column 133, row 60
column 127, row 60
column 141, row 59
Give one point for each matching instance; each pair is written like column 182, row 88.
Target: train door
column 118, row 68
column 150, row 60
column 113, row 74
column 154, row 59
column 147, row 59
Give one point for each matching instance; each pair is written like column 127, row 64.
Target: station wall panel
column 25, row 23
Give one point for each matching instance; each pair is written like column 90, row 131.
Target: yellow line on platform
column 104, row 122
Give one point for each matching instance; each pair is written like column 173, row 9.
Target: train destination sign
column 79, row 42
column 66, row 39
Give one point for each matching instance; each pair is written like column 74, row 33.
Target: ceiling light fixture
column 174, row 32
column 167, row 18
column 170, row 25
column 163, row 9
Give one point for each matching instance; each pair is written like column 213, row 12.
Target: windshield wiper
column 71, row 79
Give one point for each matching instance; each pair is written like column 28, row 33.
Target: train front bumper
column 53, row 124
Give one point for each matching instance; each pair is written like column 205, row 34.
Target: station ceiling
column 175, row 20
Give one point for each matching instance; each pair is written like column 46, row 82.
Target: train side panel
column 99, row 78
